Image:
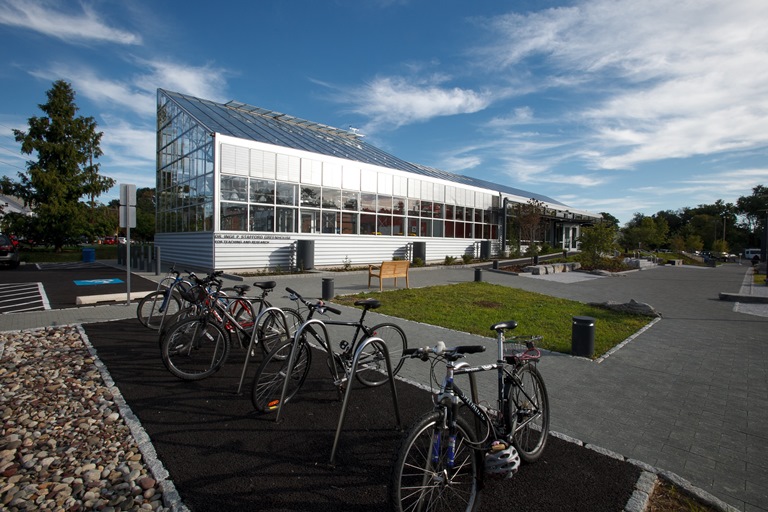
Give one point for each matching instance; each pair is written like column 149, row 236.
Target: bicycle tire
column 530, row 429
column 271, row 375
column 419, row 484
column 195, row 348
column 375, row 372
column 272, row 331
column 151, row 313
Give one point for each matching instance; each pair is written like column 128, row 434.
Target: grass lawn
column 474, row 307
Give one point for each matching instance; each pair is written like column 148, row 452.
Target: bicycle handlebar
column 319, row 306
column 452, row 354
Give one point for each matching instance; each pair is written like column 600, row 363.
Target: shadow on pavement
column 223, row 456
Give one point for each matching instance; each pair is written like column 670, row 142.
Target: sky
column 617, row 106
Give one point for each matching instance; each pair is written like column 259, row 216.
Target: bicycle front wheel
column 373, row 370
column 527, row 412
column 272, row 331
column 423, row 478
column 273, row 372
column 195, row 349
column 157, row 308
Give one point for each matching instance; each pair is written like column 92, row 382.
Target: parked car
column 9, row 252
column 121, row 240
column 110, row 240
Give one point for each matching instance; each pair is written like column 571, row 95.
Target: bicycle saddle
column 265, row 285
column 368, row 303
column 502, row 326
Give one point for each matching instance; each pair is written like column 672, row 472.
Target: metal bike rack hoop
column 253, row 341
column 355, row 362
column 292, row 359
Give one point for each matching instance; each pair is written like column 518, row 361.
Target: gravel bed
column 63, row 443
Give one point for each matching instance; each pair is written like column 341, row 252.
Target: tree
column 610, row 219
column 529, row 218
column 66, row 147
column 596, row 241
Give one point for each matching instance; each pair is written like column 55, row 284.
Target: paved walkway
column 688, row 395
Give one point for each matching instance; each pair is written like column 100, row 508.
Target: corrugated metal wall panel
column 195, row 250
column 259, row 252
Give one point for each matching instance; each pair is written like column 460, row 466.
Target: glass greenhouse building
column 241, row 187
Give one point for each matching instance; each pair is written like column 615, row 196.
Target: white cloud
column 391, row 102
column 660, row 80
column 43, row 17
column 206, row 81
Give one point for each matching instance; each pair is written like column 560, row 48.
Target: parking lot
column 38, row 287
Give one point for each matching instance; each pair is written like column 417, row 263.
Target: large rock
column 633, row 307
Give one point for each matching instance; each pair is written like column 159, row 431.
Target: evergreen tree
column 64, row 173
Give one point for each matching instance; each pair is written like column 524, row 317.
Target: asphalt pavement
column 686, row 397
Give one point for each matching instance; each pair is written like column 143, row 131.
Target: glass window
column 351, row 200
column 449, row 229
column 310, row 196
column 332, row 198
column 399, row 205
column 437, row 228
column 349, row 223
column 426, row 209
column 310, row 221
column 234, row 217
column 413, row 227
column 234, row 188
column 398, row 226
column 262, row 218
column 286, row 220
column 414, row 207
column 367, row 224
column 331, row 222
column 383, row 225
column 286, row 194
column 262, row 191
column 368, row 202
column 384, row 204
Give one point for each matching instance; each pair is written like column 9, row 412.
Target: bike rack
column 292, row 359
column 355, row 363
column 253, row 342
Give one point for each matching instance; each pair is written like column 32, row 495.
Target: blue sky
column 621, row 106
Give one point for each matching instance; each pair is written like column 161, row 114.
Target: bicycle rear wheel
column 158, row 308
column 422, row 478
column 195, row 349
column 373, row 364
column 527, row 412
column 272, row 373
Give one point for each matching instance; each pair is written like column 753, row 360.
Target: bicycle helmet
column 502, row 460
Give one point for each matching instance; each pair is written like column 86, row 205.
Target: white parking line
column 17, row 297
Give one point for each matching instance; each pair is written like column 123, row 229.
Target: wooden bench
column 389, row 270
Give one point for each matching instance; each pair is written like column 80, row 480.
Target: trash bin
column 485, row 250
column 478, row 275
column 419, row 252
column 328, row 288
column 583, row 336
column 89, row 255
column 305, row 254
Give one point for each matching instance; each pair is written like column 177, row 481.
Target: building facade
column 240, row 187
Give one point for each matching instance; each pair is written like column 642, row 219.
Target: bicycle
column 198, row 346
column 371, row 371
column 166, row 301
column 443, row 459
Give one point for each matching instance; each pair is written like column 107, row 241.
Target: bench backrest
column 392, row 268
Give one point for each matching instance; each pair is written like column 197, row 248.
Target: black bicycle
column 372, row 365
column 443, row 459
